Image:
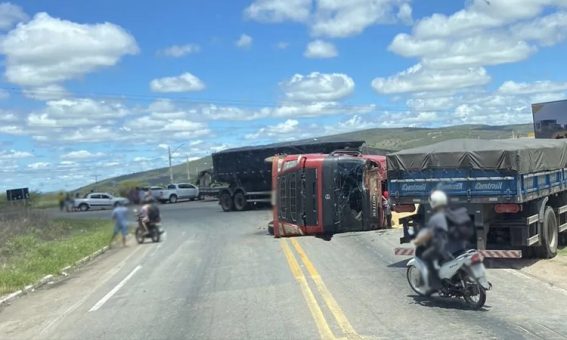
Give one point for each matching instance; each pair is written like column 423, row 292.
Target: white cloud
column 47, row 92
column 278, row 10
column 77, row 112
column 316, row 109
column 405, row 14
column 547, row 30
column 512, row 87
column 331, row 18
column 48, row 50
column 14, row 154
column 185, row 82
column 339, row 18
column 6, row 116
column 320, row 49
column 177, row 51
column 282, row 45
column 481, row 15
column 483, row 33
column 318, row 87
column 287, row 127
column 245, row 41
column 10, row 15
column 418, row 78
column 38, row 165
column 141, row 159
column 82, row 154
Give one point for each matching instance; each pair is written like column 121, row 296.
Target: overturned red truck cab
column 327, row 193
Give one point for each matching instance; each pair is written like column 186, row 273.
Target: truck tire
column 83, row 207
column 240, row 202
column 549, row 236
column 225, row 201
column 173, row 199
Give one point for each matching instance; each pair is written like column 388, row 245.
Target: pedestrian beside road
column 68, row 203
column 61, row 199
column 387, row 206
column 120, row 217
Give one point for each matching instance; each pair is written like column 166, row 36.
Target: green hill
column 382, row 138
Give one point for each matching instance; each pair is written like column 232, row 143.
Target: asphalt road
column 220, row 276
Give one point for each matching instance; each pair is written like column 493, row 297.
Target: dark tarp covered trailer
column 515, row 155
column 247, row 166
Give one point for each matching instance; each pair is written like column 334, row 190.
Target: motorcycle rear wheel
column 155, row 235
column 140, row 235
column 475, row 296
column 415, row 280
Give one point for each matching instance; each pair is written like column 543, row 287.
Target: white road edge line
column 114, row 290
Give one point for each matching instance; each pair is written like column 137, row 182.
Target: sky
column 102, row 88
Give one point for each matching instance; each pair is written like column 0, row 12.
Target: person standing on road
column 387, row 206
column 120, row 217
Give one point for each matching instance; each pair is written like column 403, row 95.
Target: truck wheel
column 173, row 199
column 240, row 202
column 83, row 207
column 549, row 235
column 226, row 201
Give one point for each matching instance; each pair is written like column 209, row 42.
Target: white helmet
column 438, row 199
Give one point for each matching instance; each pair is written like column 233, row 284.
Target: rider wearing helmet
column 433, row 237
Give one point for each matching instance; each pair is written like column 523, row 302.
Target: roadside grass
column 26, row 258
column 562, row 251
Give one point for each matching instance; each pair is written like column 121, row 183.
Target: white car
column 98, row 200
column 181, row 191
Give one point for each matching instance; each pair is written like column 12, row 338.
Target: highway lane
column 219, row 276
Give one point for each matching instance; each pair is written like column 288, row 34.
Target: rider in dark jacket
column 433, row 238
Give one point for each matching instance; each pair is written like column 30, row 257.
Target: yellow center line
column 332, row 304
column 322, row 325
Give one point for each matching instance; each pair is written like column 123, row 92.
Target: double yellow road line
column 322, row 325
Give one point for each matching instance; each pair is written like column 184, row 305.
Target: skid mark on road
column 114, row 290
column 331, row 303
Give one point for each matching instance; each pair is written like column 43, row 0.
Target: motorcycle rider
column 149, row 213
column 433, row 239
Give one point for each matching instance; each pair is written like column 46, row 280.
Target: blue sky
column 102, row 87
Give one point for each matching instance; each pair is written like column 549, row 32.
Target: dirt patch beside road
column 552, row 271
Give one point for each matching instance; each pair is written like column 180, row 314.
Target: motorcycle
column 153, row 231
column 463, row 276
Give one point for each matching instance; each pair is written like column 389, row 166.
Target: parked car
column 181, row 191
column 98, row 200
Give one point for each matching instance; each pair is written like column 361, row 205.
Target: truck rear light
column 507, row 208
column 407, row 208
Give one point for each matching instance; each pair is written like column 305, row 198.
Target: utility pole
column 170, row 168
column 188, row 171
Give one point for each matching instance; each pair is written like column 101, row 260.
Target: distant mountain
column 380, row 138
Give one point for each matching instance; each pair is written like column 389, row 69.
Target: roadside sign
column 17, row 194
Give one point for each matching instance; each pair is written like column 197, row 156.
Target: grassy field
column 33, row 252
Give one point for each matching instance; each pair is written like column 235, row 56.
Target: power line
column 202, row 101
